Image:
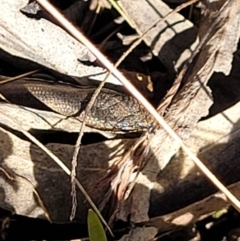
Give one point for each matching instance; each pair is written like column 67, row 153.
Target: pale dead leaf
column 37, row 119
column 42, row 42
column 229, row 39
column 172, row 40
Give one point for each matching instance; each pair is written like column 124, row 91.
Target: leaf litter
column 189, row 105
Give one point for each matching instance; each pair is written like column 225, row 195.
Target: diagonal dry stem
column 96, row 93
column 80, row 37
column 10, row 79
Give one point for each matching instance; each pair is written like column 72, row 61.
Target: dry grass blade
column 18, row 77
column 122, row 13
column 77, row 34
column 15, row 78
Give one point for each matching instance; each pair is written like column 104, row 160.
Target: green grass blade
column 95, row 228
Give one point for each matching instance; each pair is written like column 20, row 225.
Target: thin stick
column 10, row 79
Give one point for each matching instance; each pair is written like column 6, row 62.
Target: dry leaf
column 44, row 43
column 172, row 40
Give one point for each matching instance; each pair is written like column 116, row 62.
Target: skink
column 112, row 111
